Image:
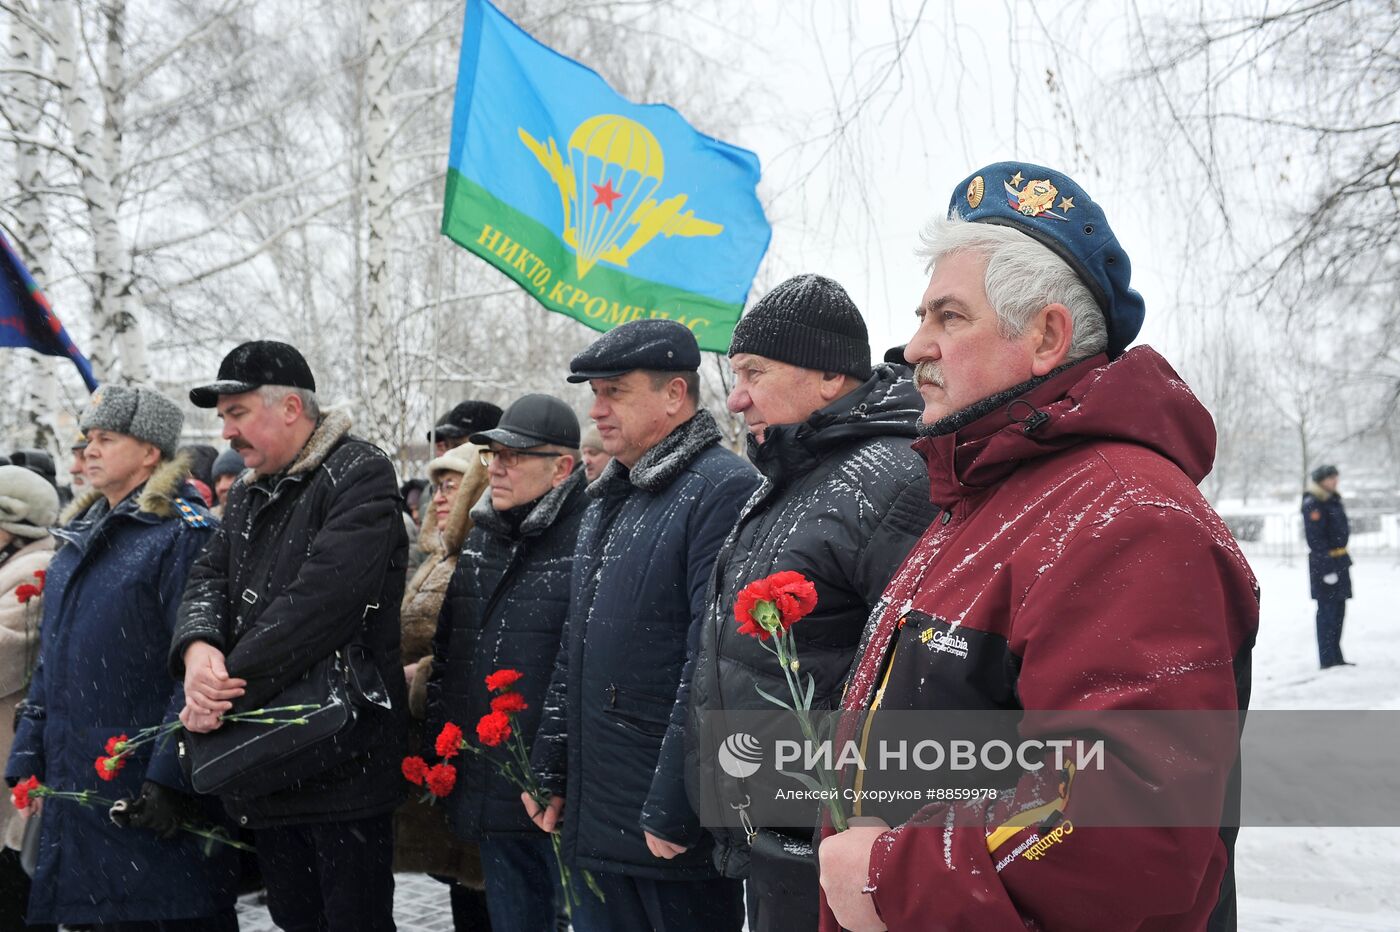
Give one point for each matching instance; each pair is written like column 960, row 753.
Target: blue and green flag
column 604, row 210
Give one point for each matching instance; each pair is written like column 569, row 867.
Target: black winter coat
column 844, row 499
column 505, row 608
column 1325, row 525
column 307, row 562
column 643, row 562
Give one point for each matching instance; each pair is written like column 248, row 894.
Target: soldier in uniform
column 1329, row 567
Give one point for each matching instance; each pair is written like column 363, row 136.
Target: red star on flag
column 606, row 194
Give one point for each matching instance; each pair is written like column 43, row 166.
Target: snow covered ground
column 1323, row 878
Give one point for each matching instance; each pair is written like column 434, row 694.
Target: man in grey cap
column 504, row 609
column 645, row 550
column 110, row 600
column 309, row 562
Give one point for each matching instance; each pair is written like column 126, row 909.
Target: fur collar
column 78, row 506
column 334, row 425
column 1319, row 493
column 540, row 518
column 660, row 465
column 156, row 498
column 459, row 519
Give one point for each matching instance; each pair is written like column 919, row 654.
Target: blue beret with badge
column 1050, row 207
column 655, row 345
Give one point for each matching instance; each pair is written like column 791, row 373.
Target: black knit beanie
column 808, row 321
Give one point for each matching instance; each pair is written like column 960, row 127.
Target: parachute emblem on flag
column 615, row 166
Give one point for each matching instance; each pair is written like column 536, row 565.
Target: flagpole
column 437, row 308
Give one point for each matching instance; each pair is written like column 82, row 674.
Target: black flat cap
column 655, row 345
column 532, row 420
column 895, row 355
column 252, row 365
column 467, row 418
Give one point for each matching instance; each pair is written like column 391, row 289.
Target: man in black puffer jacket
column 505, row 609
column 843, row 501
column 309, row 561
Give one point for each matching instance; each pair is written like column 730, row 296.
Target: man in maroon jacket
column 1075, row 567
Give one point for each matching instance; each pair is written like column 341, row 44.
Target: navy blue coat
column 1325, row 524
column 504, row 609
column 643, row 562
column 110, row 602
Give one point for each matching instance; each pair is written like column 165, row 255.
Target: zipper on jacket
column 874, row 706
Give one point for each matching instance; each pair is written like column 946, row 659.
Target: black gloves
column 158, row 808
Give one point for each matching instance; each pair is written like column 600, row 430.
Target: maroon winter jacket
column 1077, row 568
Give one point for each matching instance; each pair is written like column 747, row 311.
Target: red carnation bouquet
column 31, row 789
column 767, row 609
column 495, row 729
column 120, row 747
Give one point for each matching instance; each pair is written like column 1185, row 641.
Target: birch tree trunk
column 32, row 424
column 119, row 349
column 380, row 420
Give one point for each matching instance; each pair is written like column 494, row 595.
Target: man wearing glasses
column 505, row 608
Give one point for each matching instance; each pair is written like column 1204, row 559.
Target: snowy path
column 1299, row 879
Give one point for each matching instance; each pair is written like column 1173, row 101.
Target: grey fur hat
column 138, row 411
column 28, row 503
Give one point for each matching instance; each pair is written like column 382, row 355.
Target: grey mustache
column 928, row 373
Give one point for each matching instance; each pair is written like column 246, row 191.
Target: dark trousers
column 522, row 883
column 223, row 922
column 331, row 876
column 1329, row 631
column 14, row 894
column 636, row 904
column 781, row 891
column 468, row 906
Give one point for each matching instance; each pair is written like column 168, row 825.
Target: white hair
column 1023, row 276
column 273, row 394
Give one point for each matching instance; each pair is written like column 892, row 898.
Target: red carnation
column 415, row 770
column 440, row 779
column 777, row 601
column 503, row 679
column 26, row 591
column 449, row 741
column 493, row 728
column 508, row 703
column 107, row 767
column 41, row 575
column 116, row 745
column 795, row 595
column 20, row 794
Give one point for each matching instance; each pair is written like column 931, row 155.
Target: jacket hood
column 885, row 405
column 157, row 498
column 334, row 425
column 1137, row 398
